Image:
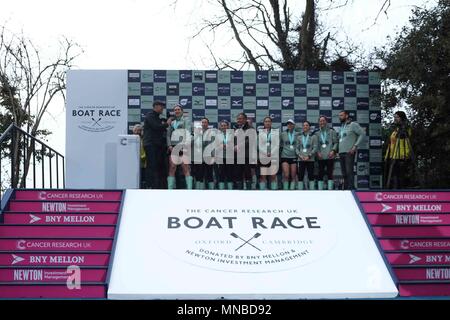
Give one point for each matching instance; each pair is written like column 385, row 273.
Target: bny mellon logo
column 414, row 259
column 16, row 259
column 385, row 208
column 34, row 219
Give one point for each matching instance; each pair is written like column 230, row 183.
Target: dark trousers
column 156, row 166
column 225, row 173
column 399, row 174
column 203, row 172
column 329, row 166
column 347, row 163
column 145, row 178
column 305, row 166
column 242, row 173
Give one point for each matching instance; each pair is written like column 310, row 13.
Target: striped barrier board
column 412, row 232
column 63, row 207
column 424, row 290
column 60, row 219
column 50, row 232
column 409, row 219
column 56, row 259
column 52, row 292
column 413, row 228
column 406, row 207
column 63, row 195
column 398, row 196
column 415, row 244
column 47, row 275
column 46, row 245
column 422, row 274
column 418, row 258
column 46, row 233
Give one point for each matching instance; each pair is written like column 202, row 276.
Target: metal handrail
column 5, row 134
column 12, row 126
column 26, row 152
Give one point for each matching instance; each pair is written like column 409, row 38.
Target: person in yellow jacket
column 398, row 152
column 139, row 130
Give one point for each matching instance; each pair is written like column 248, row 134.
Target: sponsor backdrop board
column 283, row 95
column 102, row 104
column 214, row 246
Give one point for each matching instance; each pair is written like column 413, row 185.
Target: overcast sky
column 144, row 34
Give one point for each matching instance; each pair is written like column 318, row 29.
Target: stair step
column 67, row 195
column 63, row 207
column 416, row 259
column 48, row 275
column 60, row 219
column 409, row 219
column 390, row 207
column 415, row 244
column 52, row 292
column 422, row 274
column 412, row 232
column 424, row 290
column 49, row 245
column 53, row 259
column 51, row 232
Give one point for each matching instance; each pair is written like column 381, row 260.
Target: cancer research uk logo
column 245, row 240
column 96, row 118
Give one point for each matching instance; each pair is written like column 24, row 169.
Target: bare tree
column 277, row 34
column 272, row 36
column 28, row 85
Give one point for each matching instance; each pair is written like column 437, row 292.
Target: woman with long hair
column 327, row 149
column 288, row 161
column 398, row 153
column 224, row 169
column 306, row 151
column 203, row 168
column 267, row 153
column 179, row 122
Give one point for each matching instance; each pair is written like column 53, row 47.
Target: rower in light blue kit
column 306, row 153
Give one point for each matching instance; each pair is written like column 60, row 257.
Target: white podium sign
column 182, row 244
column 96, row 114
column 128, row 162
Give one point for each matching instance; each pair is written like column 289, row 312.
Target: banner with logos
column 188, row 244
column 104, row 104
column 282, row 95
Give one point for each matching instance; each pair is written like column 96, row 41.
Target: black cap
column 159, row 103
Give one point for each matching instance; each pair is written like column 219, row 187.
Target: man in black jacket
column 155, row 145
column 242, row 173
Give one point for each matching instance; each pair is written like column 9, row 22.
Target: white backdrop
column 96, row 114
column 158, row 257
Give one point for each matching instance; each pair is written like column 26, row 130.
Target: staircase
column 413, row 228
column 57, row 243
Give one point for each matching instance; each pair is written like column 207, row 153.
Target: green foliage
column 417, row 76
